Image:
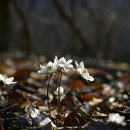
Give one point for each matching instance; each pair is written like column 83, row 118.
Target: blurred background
column 83, row 28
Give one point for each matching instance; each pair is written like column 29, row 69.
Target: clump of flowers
column 59, row 66
column 63, row 64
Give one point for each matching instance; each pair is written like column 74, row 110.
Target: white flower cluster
column 62, row 63
column 7, row 81
column 65, row 65
column 53, row 67
column 116, row 118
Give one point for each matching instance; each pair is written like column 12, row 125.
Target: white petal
column 76, row 64
column 81, row 65
column 79, row 70
column 13, row 82
column 42, row 67
column 63, row 60
column 70, row 66
column 61, row 65
column 2, row 77
column 9, row 80
column 56, row 60
column 42, row 71
column 50, row 64
column 69, row 61
column 90, row 78
column 61, row 91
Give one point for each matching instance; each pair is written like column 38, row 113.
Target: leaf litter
column 102, row 104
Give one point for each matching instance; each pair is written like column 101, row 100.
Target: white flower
column 62, row 63
column 116, row 118
column 50, row 68
column 83, row 71
column 61, row 93
column 7, row 81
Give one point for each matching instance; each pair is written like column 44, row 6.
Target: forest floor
column 103, row 104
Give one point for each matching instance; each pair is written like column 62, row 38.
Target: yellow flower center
column 49, row 67
column 84, row 71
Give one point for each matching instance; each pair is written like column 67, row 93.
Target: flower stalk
column 59, row 84
column 48, row 103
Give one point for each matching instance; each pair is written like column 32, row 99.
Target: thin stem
column 59, row 83
column 73, row 86
column 49, row 110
